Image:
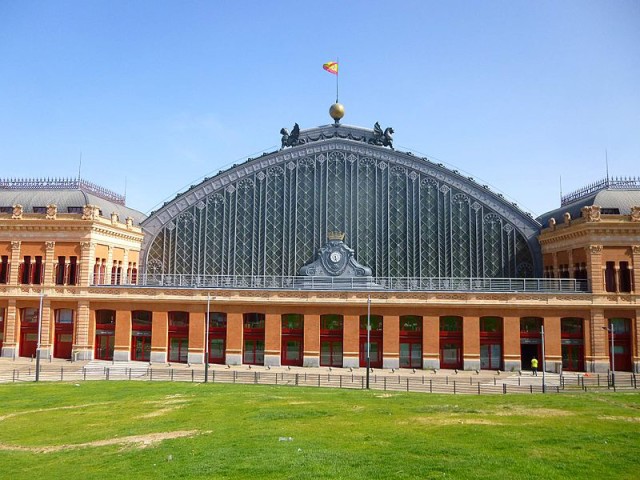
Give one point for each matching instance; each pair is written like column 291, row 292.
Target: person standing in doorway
column 534, row 366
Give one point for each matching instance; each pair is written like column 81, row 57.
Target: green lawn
column 111, row 430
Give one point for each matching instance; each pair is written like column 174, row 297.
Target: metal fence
column 448, row 384
column 437, row 284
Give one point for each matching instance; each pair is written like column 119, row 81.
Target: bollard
column 454, row 386
column 341, row 380
column 61, row 373
column 407, row 384
column 385, row 383
column 129, row 373
column 478, row 388
column 192, row 376
column 305, row 377
column 107, row 375
column 430, row 385
column 504, row 388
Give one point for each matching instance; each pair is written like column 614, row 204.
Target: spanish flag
column 331, row 67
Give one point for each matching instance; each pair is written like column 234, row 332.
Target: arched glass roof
column 403, row 215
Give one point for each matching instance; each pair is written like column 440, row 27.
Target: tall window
column 331, row 347
column 490, row 342
column 375, row 341
column 217, row 336
column 4, row 269
column 178, row 337
column 410, row 341
column 572, row 340
column 254, row 338
column 610, row 277
column 451, row 342
column 291, row 352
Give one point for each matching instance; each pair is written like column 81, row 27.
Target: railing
column 61, row 184
column 448, row 384
column 418, row 284
column 615, row 183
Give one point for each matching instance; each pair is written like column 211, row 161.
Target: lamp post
column 543, row 365
column 368, row 338
column 39, row 335
column 206, row 342
column 610, row 329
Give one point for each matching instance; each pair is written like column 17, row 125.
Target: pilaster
column 311, row 341
column 197, row 327
column 235, row 338
column 10, row 343
column 430, row 342
column 159, row 336
column 46, row 331
column 15, row 262
column 108, row 273
column 391, row 341
column 635, row 252
column 635, row 330
column 351, row 341
column 272, row 339
column 87, row 260
column 552, row 344
column 49, row 264
column 471, row 342
column 594, row 268
column 124, row 276
column 598, row 360
column 511, row 344
column 122, row 345
column 83, row 339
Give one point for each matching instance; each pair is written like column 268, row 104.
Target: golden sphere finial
column 336, row 111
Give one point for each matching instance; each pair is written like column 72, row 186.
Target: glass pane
column 216, row 347
column 450, row 324
column 336, row 354
column 259, row 352
column 293, row 350
column 496, row 356
column 404, row 354
column 325, row 353
column 450, row 353
column 65, row 315
column 416, row 354
column 484, row 356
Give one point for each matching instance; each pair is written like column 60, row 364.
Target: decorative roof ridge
column 609, row 183
column 62, row 184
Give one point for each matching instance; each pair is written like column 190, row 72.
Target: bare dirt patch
column 40, row 410
column 529, row 412
column 620, row 419
column 439, row 421
column 136, row 441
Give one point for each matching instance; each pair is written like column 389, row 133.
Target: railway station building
column 285, row 258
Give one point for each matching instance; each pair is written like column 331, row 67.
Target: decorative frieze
column 635, row 214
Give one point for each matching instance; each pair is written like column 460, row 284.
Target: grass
column 235, row 431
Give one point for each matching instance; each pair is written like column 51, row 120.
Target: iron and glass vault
column 403, row 216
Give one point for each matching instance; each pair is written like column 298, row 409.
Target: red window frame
column 141, row 326
column 178, row 338
column 450, row 332
column 217, row 332
column 491, row 337
column 28, row 331
column 63, row 330
column 105, row 332
column 292, row 325
column 375, row 336
column 331, row 340
column 253, row 325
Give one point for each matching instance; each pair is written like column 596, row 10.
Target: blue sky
column 514, row 93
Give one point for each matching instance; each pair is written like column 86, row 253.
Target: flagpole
column 337, row 77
